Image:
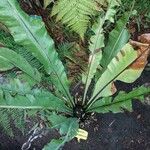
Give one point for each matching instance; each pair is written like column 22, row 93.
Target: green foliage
column 142, row 12
column 54, row 145
column 116, row 70
column 68, row 128
column 113, row 57
column 20, row 95
column 75, row 13
column 47, row 2
column 116, row 66
column 32, row 33
column 5, row 65
column 97, row 42
column 10, row 118
column 7, row 41
column 141, row 5
column 11, row 59
column 123, row 101
column 117, row 39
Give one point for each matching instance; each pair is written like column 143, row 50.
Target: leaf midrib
column 37, row 44
column 120, row 101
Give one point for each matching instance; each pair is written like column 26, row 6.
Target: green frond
column 118, row 37
column 97, row 43
column 75, row 13
column 15, row 94
column 15, row 60
column 31, row 32
column 11, row 118
column 120, row 102
column 8, row 41
column 67, row 127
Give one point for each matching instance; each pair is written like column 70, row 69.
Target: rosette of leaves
column 119, row 60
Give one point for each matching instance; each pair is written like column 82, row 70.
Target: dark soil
column 122, row 131
column 127, row 131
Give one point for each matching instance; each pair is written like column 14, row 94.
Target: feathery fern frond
column 75, row 13
column 10, row 118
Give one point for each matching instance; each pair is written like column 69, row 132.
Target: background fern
column 76, row 13
column 11, row 118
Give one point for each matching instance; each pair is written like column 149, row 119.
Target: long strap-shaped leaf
column 19, row 95
column 117, row 39
column 67, row 127
column 31, row 33
column 95, row 56
column 97, row 42
column 122, row 100
column 12, row 59
column 118, row 64
column 5, row 65
column 134, row 70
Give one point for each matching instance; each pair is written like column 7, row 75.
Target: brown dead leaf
column 143, row 51
column 144, row 38
column 113, row 88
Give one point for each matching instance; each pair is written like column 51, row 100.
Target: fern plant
column 12, row 117
column 119, row 60
column 77, row 13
